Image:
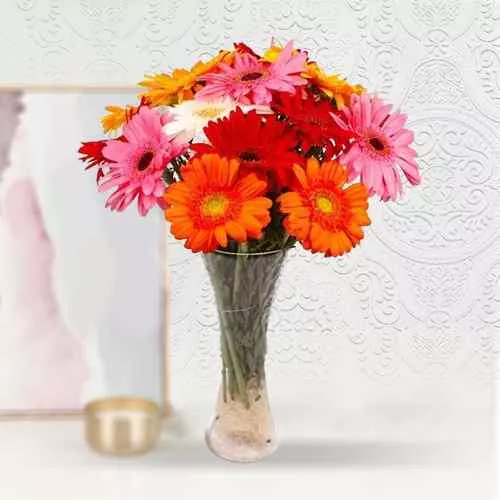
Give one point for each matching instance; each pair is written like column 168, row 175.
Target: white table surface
column 49, row 460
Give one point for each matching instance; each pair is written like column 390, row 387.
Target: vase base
column 239, row 447
column 243, row 432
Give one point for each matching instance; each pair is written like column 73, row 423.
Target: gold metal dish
column 122, row 425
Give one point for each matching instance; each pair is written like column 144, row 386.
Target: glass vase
column 244, row 285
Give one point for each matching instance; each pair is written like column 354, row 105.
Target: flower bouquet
column 248, row 155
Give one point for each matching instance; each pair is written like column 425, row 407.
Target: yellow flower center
column 324, row 204
column 214, row 205
column 210, row 112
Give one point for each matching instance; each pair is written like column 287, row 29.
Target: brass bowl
column 122, row 425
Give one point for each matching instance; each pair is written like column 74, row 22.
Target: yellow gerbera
column 273, row 52
column 165, row 90
column 334, row 86
column 117, row 116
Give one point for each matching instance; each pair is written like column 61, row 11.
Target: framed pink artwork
column 72, row 328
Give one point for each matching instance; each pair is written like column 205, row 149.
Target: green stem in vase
column 244, row 285
column 227, row 364
column 228, row 370
column 237, row 372
column 225, row 368
column 240, row 260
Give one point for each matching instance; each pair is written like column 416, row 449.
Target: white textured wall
column 401, row 334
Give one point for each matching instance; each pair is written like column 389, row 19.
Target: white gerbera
column 191, row 117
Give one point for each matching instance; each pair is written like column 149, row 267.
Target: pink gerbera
column 137, row 162
column 381, row 144
column 251, row 81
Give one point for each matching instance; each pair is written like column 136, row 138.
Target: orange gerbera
column 214, row 203
column 166, row 90
column 321, row 213
column 334, row 86
column 117, row 116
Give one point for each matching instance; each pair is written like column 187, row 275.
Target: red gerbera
column 313, row 122
column 91, row 153
column 243, row 48
column 262, row 144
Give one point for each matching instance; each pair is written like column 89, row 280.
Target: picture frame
column 39, row 115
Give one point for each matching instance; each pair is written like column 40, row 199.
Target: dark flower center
column 376, row 144
column 145, row 160
column 249, row 156
column 251, row 76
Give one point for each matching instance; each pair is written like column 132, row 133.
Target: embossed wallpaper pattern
column 411, row 319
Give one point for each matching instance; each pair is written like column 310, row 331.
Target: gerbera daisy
column 166, row 89
column 191, row 117
column 117, row 116
column 251, row 81
column 91, row 154
column 243, row 48
column 381, row 144
column 263, row 145
column 215, row 203
column 312, row 119
column 136, row 163
column 334, row 86
column 323, row 214
column 273, row 52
